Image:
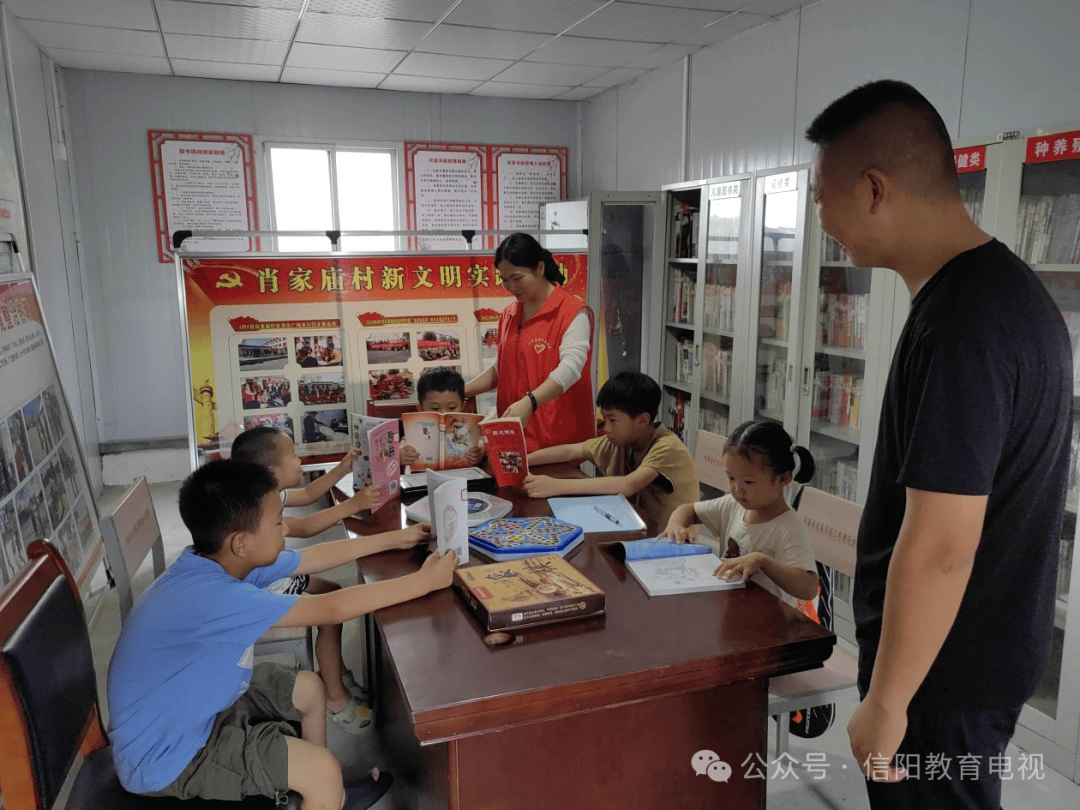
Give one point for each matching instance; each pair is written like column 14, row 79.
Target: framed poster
column 44, row 488
column 203, row 181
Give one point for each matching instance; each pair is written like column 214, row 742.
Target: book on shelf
column 676, row 413
column 442, row 439
column 684, row 291
column 685, row 227
column 506, row 450
column 378, row 455
column 668, row 576
column 528, row 592
column 1048, row 229
column 837, row 399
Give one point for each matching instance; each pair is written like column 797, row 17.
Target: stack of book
column 843, row 319
column 684, row 288
column 684, row 365
column 716, row 369
column 720, row 307
column 1048, row 229
column 775, row 313
column 771, row 379
column 837, row 398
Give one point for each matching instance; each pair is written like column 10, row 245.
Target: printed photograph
column 12, row 553
column 281, row 421
column 56, row 498
column 264, row 392
column 322, row 389
column 438, row 346
column 53, row 413
column 37, row 430
column 489, row 342
column 83, row 524
column 263, row 354
column 391, row 383
column 325, row 426
column 33, row 514
column 24, row 464
column 67, row 540
column 68, row 464
column 512, row 462
column 388, row 347
column 9, row 476
column 315, row 351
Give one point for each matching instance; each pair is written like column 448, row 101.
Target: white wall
column 133, row 297
column 988, row 65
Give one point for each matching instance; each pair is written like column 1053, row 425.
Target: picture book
column 506, row 450
column 442, row 439
column 528, row 592
column 480, row 507
column 449, row 514
column 513, row 538
column 674, row 575
column 598, row 513
column 652, row 548
column 378, row 455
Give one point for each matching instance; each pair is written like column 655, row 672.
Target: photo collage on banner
column 44, row 492
column 299, row 344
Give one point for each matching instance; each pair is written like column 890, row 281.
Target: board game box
column 514, row 538
column 528, row 592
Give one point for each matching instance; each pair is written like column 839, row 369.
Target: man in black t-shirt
column 958, row 547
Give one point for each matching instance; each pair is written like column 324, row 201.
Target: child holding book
column 635, row 457
column 274, row 450
column 440, row 390
column 190, row 714
column 761, row 537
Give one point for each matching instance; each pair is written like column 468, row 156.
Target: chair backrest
column 709, row 460
column 130, row 531
column 833, row 524
column 393, row 409
column 48, row 689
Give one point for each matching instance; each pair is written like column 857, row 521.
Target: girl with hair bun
column 545, row 349
column 761, row 537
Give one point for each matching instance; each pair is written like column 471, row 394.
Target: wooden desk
column 597, row 713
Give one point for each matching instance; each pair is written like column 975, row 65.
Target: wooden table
column 598, row 713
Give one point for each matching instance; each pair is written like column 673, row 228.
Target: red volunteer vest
column 528, row 353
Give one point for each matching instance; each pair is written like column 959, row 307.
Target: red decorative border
column 158, row 136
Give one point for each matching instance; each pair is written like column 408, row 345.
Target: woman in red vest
column 545, row 349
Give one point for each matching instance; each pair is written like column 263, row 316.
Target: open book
column 665, row 576
column 442, row 439
column 449, row 514
column 378, row 457
column 506, row 450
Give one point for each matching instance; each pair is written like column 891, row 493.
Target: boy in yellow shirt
column 636, row 456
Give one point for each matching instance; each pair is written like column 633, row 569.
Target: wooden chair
column 833, row 525
column 131, row 530
column 708, row 460
column 48, row 701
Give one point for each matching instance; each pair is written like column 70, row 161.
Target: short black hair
column 258, row 445
column 440, row 378
column 631, row 392
column 522, row 250
column 920, row 143
column 223, row 497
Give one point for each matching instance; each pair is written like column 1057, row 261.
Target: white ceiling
column 563, row 49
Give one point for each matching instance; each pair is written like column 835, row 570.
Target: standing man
column 958, row 547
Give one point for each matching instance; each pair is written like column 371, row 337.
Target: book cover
column 442, row 439
column 674, row 575
column 506, row 450
column 378, row 454
column 449, row 514
column 528, row 592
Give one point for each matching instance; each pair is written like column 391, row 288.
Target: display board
column 300, row 342
column 44, row 489
column 455, row 186
column 12, row 218
column 203, row 181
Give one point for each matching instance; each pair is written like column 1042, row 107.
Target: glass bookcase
column 971, row 174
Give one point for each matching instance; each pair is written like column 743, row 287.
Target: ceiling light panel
column 333, row 57
column 419, row 10
column 225, row 49
column 548, row 16
column 363, row 32
column 225, row 21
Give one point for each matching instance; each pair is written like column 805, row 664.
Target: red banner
column 970, row 159
column 1048, row 148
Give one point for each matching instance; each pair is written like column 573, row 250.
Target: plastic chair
column 131, row 530
column 48, row 702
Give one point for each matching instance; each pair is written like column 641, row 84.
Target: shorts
column 246, row 753
column 290, row 585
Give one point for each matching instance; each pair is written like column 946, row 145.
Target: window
column 320, row 188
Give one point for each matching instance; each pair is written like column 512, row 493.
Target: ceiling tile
column 579, row 93
column 342, row 78
column 341, row 29
column 508, row 90
column 294, row 5
column 771, row 7
column 461, row 40
column 334, row 57
column 699, row 5
column 549, row 16
column 119, row 13
column 451, row 67
column 225, row 21
column 540, row 73
column 427, row 84
column 614, row 77
column 121, row 63
column 95, row 38
column 664, row 55
column 723, row 29
column 225, row 70
column 643, row 23
column 588, row 51
column 226, row 49
column 421, row 10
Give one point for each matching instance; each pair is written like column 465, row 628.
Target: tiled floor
column 788, row 788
